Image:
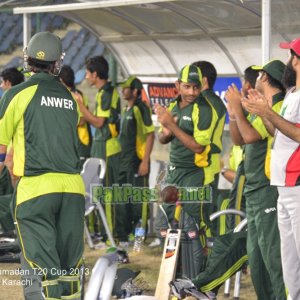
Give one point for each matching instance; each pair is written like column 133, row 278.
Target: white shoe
column 155, row 243
column 100, row 245
column 124, row 245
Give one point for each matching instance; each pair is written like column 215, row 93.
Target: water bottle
column 139, row 236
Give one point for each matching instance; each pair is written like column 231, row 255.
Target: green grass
column 147, row 261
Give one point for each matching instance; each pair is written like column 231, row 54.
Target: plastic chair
column 93, row 173
column 103, row 274
column 103, row 277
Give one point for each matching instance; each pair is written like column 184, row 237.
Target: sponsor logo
column 271, row 209
column 186, row 118
column 194, row 74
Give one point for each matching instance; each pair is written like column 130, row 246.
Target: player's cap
column 132, row 82
column 274, row 68
column 294, row 45
column 45, row 46
column 190, row 74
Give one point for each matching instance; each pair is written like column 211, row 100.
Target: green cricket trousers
column 6, row 219
column 263, row 243
column 49, row 214
column 193, row 213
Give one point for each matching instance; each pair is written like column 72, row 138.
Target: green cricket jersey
column 196, row 120
column 41, row 116
column 136, row 123
column 105, row 142
column 84, row 134
column 220, row 111
column 256, row 154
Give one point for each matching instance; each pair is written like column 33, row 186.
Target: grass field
column 148, row 262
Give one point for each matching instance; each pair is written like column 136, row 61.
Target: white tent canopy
column 158, row 37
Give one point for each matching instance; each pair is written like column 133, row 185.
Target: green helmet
column 45, row 46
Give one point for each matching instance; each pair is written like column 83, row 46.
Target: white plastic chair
column 93, row 173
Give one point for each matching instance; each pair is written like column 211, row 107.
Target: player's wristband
column 2, row 157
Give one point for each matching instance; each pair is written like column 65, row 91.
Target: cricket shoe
column 211, row 295
column 124, row 245
column 123, row 257
column 155, row 243
column 10, row 257
column 8, row 234
column 184, row 287
column 100, row 245
column 96, row 237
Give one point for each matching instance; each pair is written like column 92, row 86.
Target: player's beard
column 289, row 76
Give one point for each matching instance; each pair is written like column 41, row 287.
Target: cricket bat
column 168, row 264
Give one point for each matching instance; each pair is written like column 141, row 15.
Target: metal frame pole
column 266, row 30
column 26, row 29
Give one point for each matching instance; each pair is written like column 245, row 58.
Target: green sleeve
column 258, row 125
column 7, row 125
column 103, row 103
column 77, row 108
column 11, row 113
column 204, row 119
column 143, row 118
column 170, row 108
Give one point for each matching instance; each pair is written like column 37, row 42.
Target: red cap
column 294, row 45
